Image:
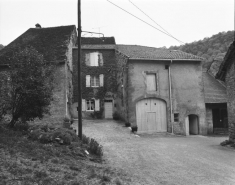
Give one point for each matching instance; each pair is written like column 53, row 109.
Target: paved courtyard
column 164, row 158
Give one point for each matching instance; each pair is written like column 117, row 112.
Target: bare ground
column 164, row 158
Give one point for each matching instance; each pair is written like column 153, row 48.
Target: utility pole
column 79, row 72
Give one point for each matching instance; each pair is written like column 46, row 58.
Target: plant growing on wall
column 30, row 86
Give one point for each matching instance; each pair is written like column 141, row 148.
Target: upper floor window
column 95, row 81
column 151, row 82
column 94, row 59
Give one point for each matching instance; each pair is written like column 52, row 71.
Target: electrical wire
column 155, row 22
column 142, row 20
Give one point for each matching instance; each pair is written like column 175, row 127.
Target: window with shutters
column 91, row 105
column 95, row 81
column 94, row 59
column 151, row 81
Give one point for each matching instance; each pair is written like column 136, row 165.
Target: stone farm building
column 156, row 90
column 226, row 73
column 55, row 44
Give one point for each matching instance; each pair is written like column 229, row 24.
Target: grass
column 26, row 161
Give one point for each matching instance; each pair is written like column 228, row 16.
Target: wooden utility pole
column 79, row 73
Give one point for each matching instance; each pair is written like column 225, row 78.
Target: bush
column 116, row 116
column 93, row 146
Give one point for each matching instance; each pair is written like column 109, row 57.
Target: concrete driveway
column 163, row 158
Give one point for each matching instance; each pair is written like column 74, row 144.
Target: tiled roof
column 96, row 46
column 214, row 91
column 143, row 52
column 97, row 40
column 51, row 42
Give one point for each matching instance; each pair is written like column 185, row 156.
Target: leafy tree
column 1, row 46
column 30, row 86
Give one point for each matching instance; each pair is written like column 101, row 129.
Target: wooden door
column 108, row 108
column 151, row 115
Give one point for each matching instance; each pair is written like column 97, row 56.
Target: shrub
column 93, row 146
column 116, row 116
column 127, row 124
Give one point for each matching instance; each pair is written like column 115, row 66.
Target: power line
column 155, row 21
column 142, row 20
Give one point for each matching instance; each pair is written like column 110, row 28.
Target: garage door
column 151, row 115
column 108, row 108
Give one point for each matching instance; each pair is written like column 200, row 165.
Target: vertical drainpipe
column 170, row 96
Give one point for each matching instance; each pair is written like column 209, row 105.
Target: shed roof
column 51, row 42
column 214, row 91
column 144, row 52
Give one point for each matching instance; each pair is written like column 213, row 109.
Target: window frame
column 156, row 80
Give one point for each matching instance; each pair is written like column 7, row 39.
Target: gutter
column 192, row 60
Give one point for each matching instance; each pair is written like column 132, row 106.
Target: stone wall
column 230, row 84
column 187, row 90
column 58, row 105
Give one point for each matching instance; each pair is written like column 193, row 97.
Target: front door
column 108, row 108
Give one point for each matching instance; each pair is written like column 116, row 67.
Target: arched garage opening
column 192, row 124
column 151, row 115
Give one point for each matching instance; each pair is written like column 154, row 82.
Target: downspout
column 170, row 97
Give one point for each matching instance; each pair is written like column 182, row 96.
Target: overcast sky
column 186, row 20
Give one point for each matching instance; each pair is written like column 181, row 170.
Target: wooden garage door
column 108, row 108
column 151, row 115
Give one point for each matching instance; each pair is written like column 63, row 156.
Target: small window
column 151, row 82
column 90, row 105
column 94, row 59
column 166, row 66
column 95, row 81
column 176, row 117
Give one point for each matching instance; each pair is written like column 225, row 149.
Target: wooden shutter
column 97, row 105
column 151, row 82
column 83, row 105
column 88, row 80
column 101, row 80
column 88, row 63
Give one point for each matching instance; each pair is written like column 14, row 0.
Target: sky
column 186, row 20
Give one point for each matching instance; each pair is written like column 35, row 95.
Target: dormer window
column 94, row 59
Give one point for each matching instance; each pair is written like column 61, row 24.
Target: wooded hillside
column 213, row 49
column 1, row 46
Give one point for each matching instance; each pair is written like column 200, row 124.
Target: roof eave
column 193, row 60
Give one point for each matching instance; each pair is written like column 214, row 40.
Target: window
column 176, row 117
column 90, row 105
column 94, row 59
column 95, row 81
column 166, row 66
column 151, row 82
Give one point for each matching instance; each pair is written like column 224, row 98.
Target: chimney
column 38, row 26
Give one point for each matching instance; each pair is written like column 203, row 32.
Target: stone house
column 98, row 77
column 163, row 90
column 226, row 74
column 55, row 44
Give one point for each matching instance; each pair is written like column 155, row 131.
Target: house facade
column 55, row 44
column 163, row 90
column 226, row 74
column 98, row 77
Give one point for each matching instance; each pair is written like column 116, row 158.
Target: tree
column 1, row 46
column 30, row 82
